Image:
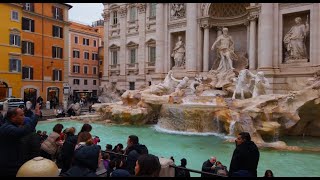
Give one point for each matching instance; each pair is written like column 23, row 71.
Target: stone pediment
column 151, row 41
column 132, row 44
column 114, row 46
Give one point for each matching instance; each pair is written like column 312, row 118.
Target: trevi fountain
column 198, row 116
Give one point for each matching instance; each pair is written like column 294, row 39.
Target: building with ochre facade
column 10, row 49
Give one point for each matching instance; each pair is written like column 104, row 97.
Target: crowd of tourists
column 80, row 155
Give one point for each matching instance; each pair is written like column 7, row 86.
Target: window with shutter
column 84, row 41
column 11, row 39
column 31, row 7
column 61, row 53
column 24, row 47
column 32, row 26
column 31, row 73
column 61, row 32
column 24, row 73
column 60, row 75
column 32, row 48
column 76, row 40
column 53, row 77
column 53, row 52
column 25, row 24
column 15, row 39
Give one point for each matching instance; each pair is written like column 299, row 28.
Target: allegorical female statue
column 178, row 53
column 295, row 40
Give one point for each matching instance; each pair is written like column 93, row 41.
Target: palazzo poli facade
column 144, row 41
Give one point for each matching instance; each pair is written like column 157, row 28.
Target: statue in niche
column 177, row 10
column 225, row 48
column 295, row 39
column 178, row 53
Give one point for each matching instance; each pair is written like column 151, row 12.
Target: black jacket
column 181, row 172
column 206, row 167
column 30, row 146
column 10, row 143
column 67, row 152
column 133, row 153
column 85, row 162
column 245, row 157
column 2, row 120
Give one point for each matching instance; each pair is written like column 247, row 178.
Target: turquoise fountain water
column 197, row 149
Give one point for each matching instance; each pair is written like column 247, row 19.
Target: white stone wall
column 259, row 32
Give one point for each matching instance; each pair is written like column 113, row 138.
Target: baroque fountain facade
column 264, row 75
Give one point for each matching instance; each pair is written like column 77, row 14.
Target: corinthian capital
column 253, row 16
column 123, row 11
column 141, row 7
column 106, row 15
column 206, row 25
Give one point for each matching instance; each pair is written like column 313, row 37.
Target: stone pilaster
column 191, row 37
column 142, row 37
column 266, row 36
column 123, row 48
column 106, row 62
column 160, row 38
column 252, row 41
column 206, row 47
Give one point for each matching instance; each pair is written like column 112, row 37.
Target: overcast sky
column 85, row 13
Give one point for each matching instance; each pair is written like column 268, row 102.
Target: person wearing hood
column 67, row 150
column 245, row 157
column 86, row 161
column 133, row 151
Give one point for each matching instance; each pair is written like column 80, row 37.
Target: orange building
column 99, row 26
column 84, row 60
column 45, row 50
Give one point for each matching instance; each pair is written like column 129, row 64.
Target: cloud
column 85, row 13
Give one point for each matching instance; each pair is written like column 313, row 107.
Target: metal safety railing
column 173, row 166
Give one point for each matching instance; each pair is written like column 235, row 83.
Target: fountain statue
column 249, row 85
column 203, row 110
column 108, row 94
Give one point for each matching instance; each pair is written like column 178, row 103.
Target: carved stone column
column 160, row 38
column 252, row 41
column 191, row 37
column 266, row 36
column 123, row 48
column 206, row 47
column 106, row 16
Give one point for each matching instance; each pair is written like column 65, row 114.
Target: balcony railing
column 132, row 67
column 150, row 66
column 114, row 69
